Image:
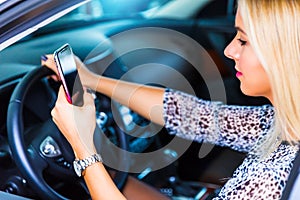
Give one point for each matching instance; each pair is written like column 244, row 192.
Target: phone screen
column 67, row 70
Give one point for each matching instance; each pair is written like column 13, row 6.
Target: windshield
column 106, row 9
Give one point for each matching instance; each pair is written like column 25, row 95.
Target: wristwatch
column 81, row 165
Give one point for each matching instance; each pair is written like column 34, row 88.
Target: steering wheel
column 45, row 149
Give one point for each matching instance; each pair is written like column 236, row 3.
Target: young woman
column 266, row 52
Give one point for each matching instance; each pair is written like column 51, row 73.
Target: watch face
column 77, row 168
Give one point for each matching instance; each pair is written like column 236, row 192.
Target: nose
column 231, row 51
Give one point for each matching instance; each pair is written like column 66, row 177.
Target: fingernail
column 44, row 58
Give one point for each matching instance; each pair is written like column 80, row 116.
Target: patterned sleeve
column 237, row 127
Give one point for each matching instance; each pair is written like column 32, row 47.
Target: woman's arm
column 79, row 130
column 145, row 100
column 79, row 127
column 237, row 127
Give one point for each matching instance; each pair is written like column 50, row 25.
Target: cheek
column 254, row 81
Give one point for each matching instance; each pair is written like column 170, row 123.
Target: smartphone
column 68, row 74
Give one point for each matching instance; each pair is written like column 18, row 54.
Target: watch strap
column 82, row 164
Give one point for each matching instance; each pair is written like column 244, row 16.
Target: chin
column 247, row 92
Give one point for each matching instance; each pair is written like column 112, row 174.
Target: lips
column 238, row 74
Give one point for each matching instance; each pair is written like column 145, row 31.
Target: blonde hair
column 273, row 29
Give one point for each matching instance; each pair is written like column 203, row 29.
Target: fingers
column 61, row 97
column 79, row 63
column 61, row 102
column 48, row 61
column 87, row 97
column 54, row 112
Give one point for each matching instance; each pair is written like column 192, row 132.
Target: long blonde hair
column 273, row 29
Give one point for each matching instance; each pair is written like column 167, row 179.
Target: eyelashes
column 242, row 42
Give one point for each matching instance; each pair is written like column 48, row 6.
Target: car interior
column 197, row 173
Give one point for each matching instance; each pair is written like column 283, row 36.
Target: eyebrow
column 241, row 30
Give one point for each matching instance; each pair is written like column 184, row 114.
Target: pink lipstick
column 238, row 74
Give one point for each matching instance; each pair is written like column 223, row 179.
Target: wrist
column 81, row 152
column 91, row 80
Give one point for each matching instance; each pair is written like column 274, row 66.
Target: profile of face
column 253, row 78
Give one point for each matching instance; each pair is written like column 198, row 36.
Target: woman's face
column 253, row 78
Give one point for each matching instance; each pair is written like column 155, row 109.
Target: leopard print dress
column 237, row 127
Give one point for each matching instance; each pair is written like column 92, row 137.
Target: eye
column 242, row 42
